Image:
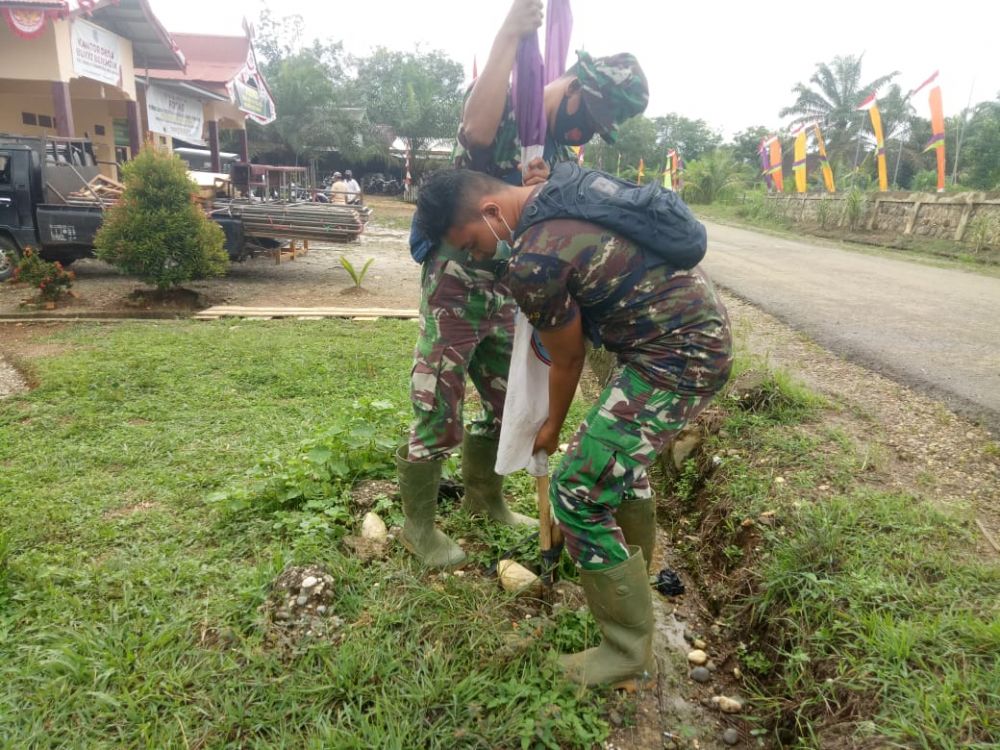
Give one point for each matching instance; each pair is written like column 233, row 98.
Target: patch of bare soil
column 129, row 510
column 315, row 279
column 165, row 299
column 299, row 608
column 11, row 381
column 914, row 443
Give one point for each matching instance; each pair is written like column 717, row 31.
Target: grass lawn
column 162, row 475
column 129, row 602
column 862, row 616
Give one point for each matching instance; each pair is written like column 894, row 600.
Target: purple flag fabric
column 558, row 29
column 529, row 86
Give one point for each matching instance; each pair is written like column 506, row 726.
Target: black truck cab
column 35, row 176
column 38, row 177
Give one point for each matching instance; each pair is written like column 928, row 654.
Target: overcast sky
column 730, row 63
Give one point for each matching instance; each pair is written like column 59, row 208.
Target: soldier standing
column 576, row 280
column 466, row 312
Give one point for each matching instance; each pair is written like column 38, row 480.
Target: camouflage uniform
column 466, row 328
column 466, row 312
column 672, row 334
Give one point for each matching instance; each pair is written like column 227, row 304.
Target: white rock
column 697, row 657
column 309, row 581
column 727, row 705
column 373, row 527
column 517, row 579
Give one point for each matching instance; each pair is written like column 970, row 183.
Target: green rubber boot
column 637, row 519
column 620, row 600
column 483, row 486
column 418, row 487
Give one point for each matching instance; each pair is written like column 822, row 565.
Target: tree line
column 331, row 102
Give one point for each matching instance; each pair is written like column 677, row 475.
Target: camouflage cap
column 614, row 89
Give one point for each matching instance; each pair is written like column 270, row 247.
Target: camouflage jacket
column 671, row 326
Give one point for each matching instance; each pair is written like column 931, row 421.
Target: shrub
column 824, row 212
column 714, row 177
column 51, row 279
column 855, row 203
column 984, row 230
column 761, row 209
column 158, row 232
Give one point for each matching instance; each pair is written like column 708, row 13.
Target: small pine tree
column 158, row 232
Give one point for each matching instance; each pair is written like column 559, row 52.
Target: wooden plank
column 304, row 313
column 344, row 311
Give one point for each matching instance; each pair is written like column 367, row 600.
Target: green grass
column 866, row 619
column 130, row 592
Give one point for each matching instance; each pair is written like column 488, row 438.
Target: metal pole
column 961, row 134
column 857, row 151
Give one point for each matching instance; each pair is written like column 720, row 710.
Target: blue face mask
column 504, row 251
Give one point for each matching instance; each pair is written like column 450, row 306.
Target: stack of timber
column 321, row 222
column 100, row 191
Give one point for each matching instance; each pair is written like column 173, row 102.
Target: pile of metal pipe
column 321, row 222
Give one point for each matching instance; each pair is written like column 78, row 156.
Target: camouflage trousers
column 466, row 329
column 606, row 462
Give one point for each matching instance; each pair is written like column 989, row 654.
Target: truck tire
column 10, row 254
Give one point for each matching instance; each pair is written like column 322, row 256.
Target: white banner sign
column 174, row 114
column 97, row 53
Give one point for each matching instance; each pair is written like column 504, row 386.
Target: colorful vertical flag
column 926, row 83
column 799, row 165
column 937, row 139
column 883, row 171
column 765, row 163
column 670, row 170
column 642, row 170
column 824, row 161
column 775, row 167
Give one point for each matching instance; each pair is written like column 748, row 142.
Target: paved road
column 934, row 328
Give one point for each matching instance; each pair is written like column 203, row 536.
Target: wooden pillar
column 134, row 128
column 244, row 146
column 62, row 106
column 213, row 144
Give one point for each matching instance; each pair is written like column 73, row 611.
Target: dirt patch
column 11, row 381
column 314, row 279
column 165, row 299
column 299, row 608
column 129, row 510
column 365, row 494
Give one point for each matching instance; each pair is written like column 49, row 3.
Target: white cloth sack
column 526, row 406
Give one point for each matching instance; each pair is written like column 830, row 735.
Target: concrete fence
column 943, row 216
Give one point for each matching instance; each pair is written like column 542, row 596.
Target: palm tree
column 833, row 100
column 715, row 176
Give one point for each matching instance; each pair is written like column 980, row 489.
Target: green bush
column 717, row 176
column 158, row 232
column 50, row 279
column 758, row 208
column 855, row 204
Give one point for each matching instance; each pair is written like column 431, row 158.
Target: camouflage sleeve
column 501, row 155
column 539, row 282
